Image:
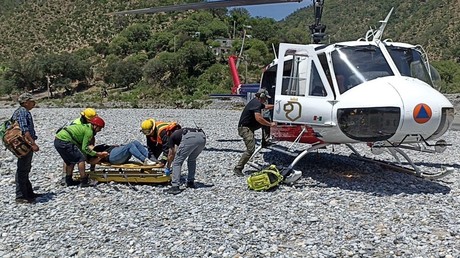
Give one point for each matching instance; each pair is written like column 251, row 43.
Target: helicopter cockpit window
column 295, row 76
column 358, row 64
column 410, row 63
column 316, row 84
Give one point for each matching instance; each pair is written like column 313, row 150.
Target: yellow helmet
column 89, row 113
column 147, row 125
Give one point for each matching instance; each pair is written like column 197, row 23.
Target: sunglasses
column 146, row 132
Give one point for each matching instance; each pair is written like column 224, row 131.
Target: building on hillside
column 224, row 48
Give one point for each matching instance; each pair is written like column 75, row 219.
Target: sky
column 276, row 11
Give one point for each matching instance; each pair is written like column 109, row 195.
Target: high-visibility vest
column 162, row 128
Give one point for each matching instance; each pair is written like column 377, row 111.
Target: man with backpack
column 24, row 191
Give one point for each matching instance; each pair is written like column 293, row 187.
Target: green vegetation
column 63, row 47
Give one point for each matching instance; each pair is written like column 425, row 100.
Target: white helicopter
column 371, row 90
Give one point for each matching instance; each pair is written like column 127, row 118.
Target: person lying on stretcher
column 120, row 154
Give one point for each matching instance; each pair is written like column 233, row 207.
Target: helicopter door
column 303, row 94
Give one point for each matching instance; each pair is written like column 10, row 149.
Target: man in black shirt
column 251, row 119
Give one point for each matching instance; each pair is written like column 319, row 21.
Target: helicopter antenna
column 318, row 30
column 274, row 51
column 378, row 34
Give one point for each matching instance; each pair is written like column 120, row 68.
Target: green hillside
column 55, row 25
column 433, row 24
column 59, row 45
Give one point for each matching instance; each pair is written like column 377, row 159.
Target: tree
column 240, row 18
column 137, row 35
column 6, row 86
column 296, row 36
column 24, row 75
column 58, row 70
column 264, row 29
column 450, row 75
column 159, row 42
column 123, row 73
column 447, row 69
column 162, row 70
column 196, row 57
column 257, row 52
column 102, row 48
column 140, row 59
column 214, row 80
column 120, row 46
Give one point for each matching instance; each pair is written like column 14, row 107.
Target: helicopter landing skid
column 412, row 171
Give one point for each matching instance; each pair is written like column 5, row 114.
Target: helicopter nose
column 426, row 112
column 393, row 108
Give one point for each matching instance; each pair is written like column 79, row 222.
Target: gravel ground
column 341, row 207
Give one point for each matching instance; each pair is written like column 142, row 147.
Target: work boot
column 25, row 200
column 267, row 143
column 238, row 171
column 70, row 182
column 84, row 181
column 173, row 190
column 191, row 184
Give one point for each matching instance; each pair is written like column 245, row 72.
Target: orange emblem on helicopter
column 422, row 113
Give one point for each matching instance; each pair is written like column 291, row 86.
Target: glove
column 167, row 171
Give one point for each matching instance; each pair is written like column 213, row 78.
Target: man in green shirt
column 73, row 142
column 85, row 116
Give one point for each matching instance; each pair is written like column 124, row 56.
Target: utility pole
column 242, row 44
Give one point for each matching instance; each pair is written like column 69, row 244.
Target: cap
column 25, row 97
column 263, row 93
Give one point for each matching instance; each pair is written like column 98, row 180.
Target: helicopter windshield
column 410, row 63
column 357, row 64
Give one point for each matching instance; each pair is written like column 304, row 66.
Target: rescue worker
column 252, row 119
column 185, row 143
column 157, row 134
column 24, row 191
column 73, row 142
column 85, row 116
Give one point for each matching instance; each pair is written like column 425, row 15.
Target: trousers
column 250, row 142
column 23, row 186
column 190, row 147
column 121, row 154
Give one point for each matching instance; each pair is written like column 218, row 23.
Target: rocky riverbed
column 341, row 207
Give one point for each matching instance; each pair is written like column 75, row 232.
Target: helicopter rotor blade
column 202, row 5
